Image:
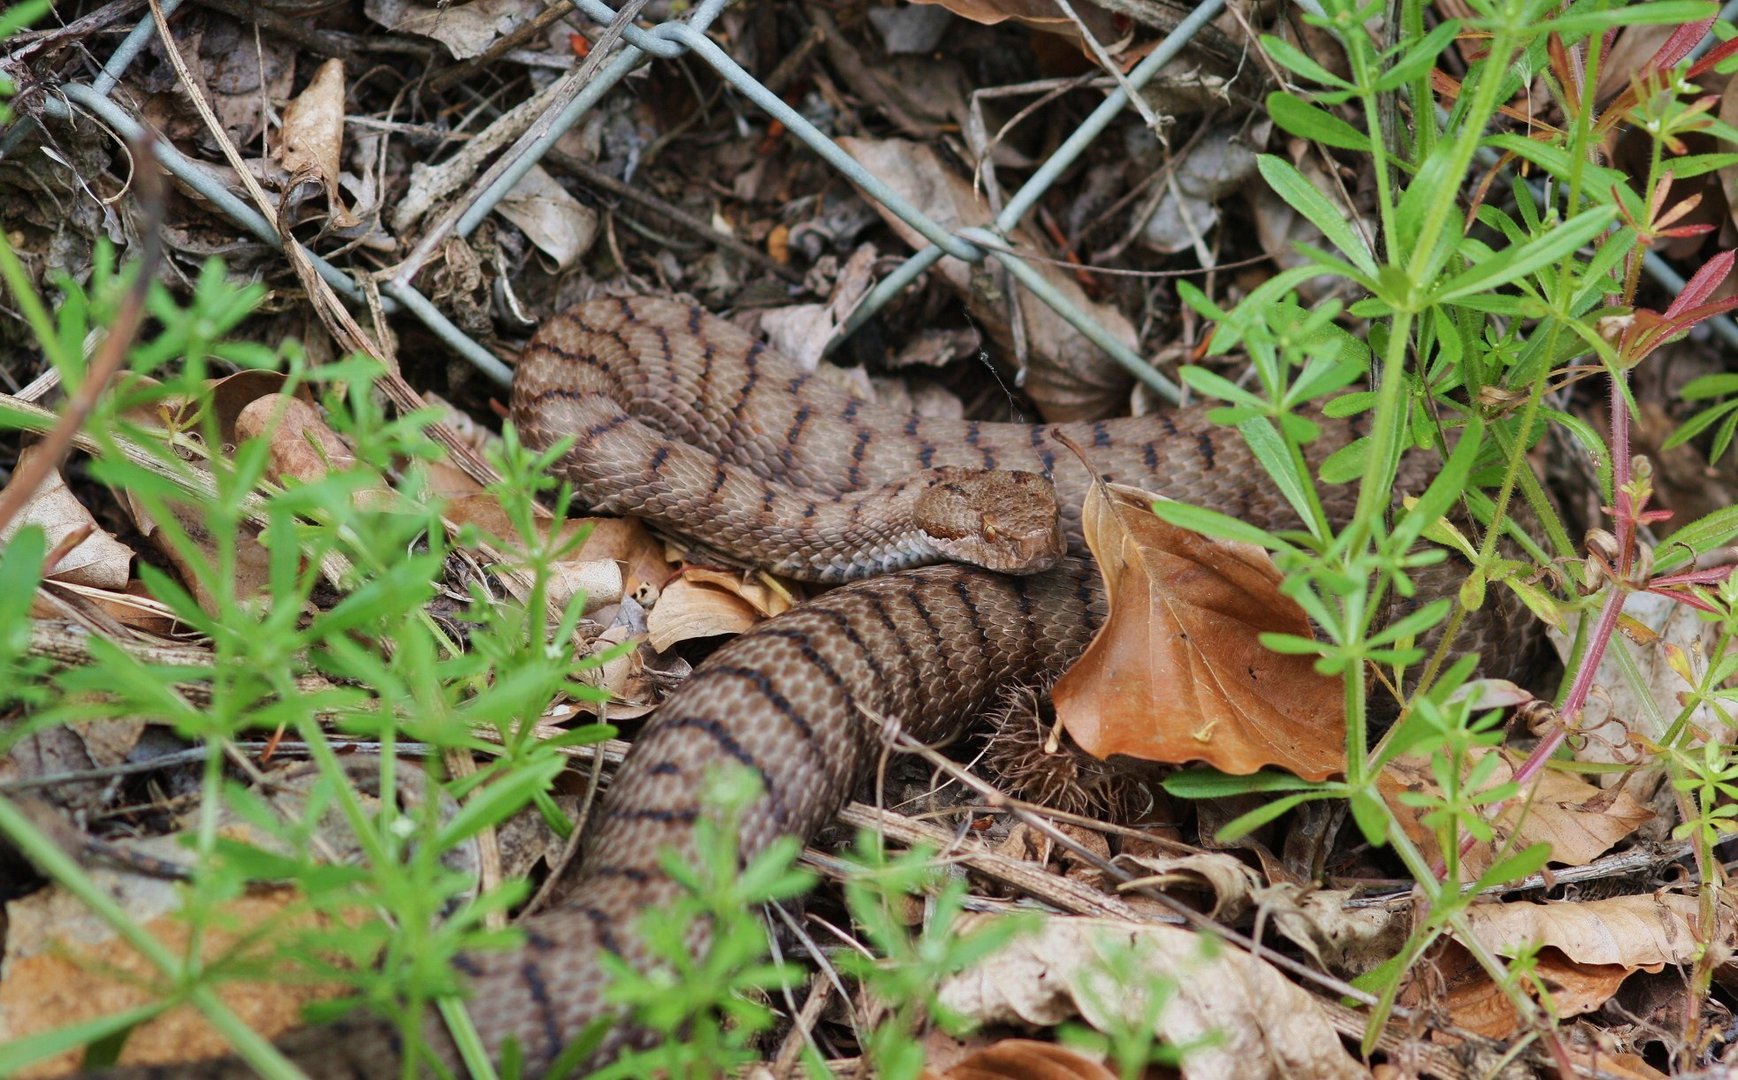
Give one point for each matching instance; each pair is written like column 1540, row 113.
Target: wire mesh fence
column 585, row 87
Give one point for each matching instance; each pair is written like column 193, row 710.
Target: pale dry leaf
column 1578, row 820
column 1059, row 973
column 99, row 561
column 1178, row 672
column 628, row 677
column 802, row 331
column 560, row 225
column 1616, row 715
column 689, row 609
column 311, row 145
column 465, row 29
column 1646, row 931
column 754, row 590
column 636, row 558
column 1068, row 377
column 1348, row 941
column 132, row 606
column 1227, row 879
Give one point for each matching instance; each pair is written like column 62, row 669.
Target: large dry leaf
column 1646, row 932
column 690, row 609
column 617, row 557
column 64, row 965
column 1178, row 672
column 1261, row 1024
column 561, row 226
column 1578, row 820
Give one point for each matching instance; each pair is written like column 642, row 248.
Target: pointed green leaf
column 1302, row 196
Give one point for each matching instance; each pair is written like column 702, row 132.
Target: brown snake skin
column 798, row 698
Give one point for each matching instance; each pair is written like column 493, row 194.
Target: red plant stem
column 1625, row 512
column 1617, row 593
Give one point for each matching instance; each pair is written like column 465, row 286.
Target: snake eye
column 988, row 524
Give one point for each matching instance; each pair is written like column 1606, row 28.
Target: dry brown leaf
column 1457, row 985
column 1227, row 879
column 1060, row 972
column 311, row 144
column 302, row 446
column 98, row 561
column 1178, row 672
column 63, row 965
column 1067, row 376
column 755, row 591
column 465, row 29
column 617, row 557
column 690, row 609
column 1024, row 1059
column 561, row 226
column 1578, row 820
column 1645, row 932
column 1040, row 15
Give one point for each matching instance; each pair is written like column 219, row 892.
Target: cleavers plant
column 1475, row 320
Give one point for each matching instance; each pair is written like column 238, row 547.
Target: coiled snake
column 685, row 419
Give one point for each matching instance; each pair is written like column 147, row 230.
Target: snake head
column 996, row 519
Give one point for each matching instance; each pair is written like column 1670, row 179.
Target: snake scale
column 685, row 419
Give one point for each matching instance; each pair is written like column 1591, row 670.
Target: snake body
column 686, row 419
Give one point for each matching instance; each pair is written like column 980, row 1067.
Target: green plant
column 908, row 979
column 702, row 1002
column 380, row 549
column 1470, row 322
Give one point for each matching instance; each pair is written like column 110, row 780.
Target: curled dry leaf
column 617, row 556
column 707, row 603
column 98, row 561
column 302, row 446
column 312, row 142
column 1062, row 972
column 1229, row 882
column 1583, row 952
column 1578, row 820
column 1646, row 931
column 1178, row 672
column 561, row 226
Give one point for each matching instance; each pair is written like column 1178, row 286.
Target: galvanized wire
column 667, row 41
column 677, row 38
